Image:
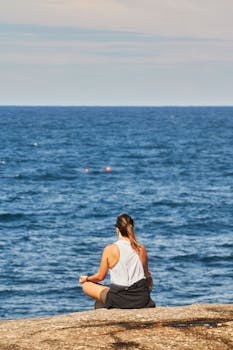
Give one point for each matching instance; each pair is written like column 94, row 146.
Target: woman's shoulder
column 111, row 248
column 111, row 253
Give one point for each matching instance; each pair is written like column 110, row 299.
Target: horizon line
column 113, row 105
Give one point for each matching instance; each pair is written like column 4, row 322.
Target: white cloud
column 27, row 50
column 197, row 18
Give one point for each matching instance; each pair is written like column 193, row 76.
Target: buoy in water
column 108, row 169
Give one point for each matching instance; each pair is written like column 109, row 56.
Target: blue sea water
column 171, row 169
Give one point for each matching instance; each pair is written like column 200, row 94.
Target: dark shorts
column 134, row 297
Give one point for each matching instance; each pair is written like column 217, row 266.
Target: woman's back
column 129, row 268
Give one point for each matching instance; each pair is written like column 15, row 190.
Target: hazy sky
column 116, row 52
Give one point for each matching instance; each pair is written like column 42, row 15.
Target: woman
column 127, row 261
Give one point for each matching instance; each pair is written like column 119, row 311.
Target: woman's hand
column 83, row 279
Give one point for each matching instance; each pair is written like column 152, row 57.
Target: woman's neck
column 122, row 238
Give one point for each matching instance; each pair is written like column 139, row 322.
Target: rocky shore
column 193, row 327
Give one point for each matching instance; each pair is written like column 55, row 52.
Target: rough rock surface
column 191, row 327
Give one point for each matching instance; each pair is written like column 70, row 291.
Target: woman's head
column 126, row 226
column 124, row 223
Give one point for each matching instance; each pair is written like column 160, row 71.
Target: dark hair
column 126, row 226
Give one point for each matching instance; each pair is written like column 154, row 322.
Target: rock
column 193, row 327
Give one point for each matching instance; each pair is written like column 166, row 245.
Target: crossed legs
column 96, row 291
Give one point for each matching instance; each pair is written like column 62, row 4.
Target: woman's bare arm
column 144, row 259
column 103, row 269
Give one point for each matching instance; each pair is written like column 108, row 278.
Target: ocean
column 67, row 172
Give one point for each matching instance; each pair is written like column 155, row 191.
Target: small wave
column 135, row 156
column 227, row 245
column 11, row 199
column 21, row 177
column 186, row 257
column 6, row 217
column 172, row 204
column 202, row 259
column 228, row 174
column 46, row 177
column 56, row 290
column 217, row 258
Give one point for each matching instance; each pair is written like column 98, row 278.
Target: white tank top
column 129, row 268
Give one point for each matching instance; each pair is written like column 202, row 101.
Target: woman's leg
column 95, row 291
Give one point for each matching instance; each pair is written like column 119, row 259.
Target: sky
column 116, row 52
